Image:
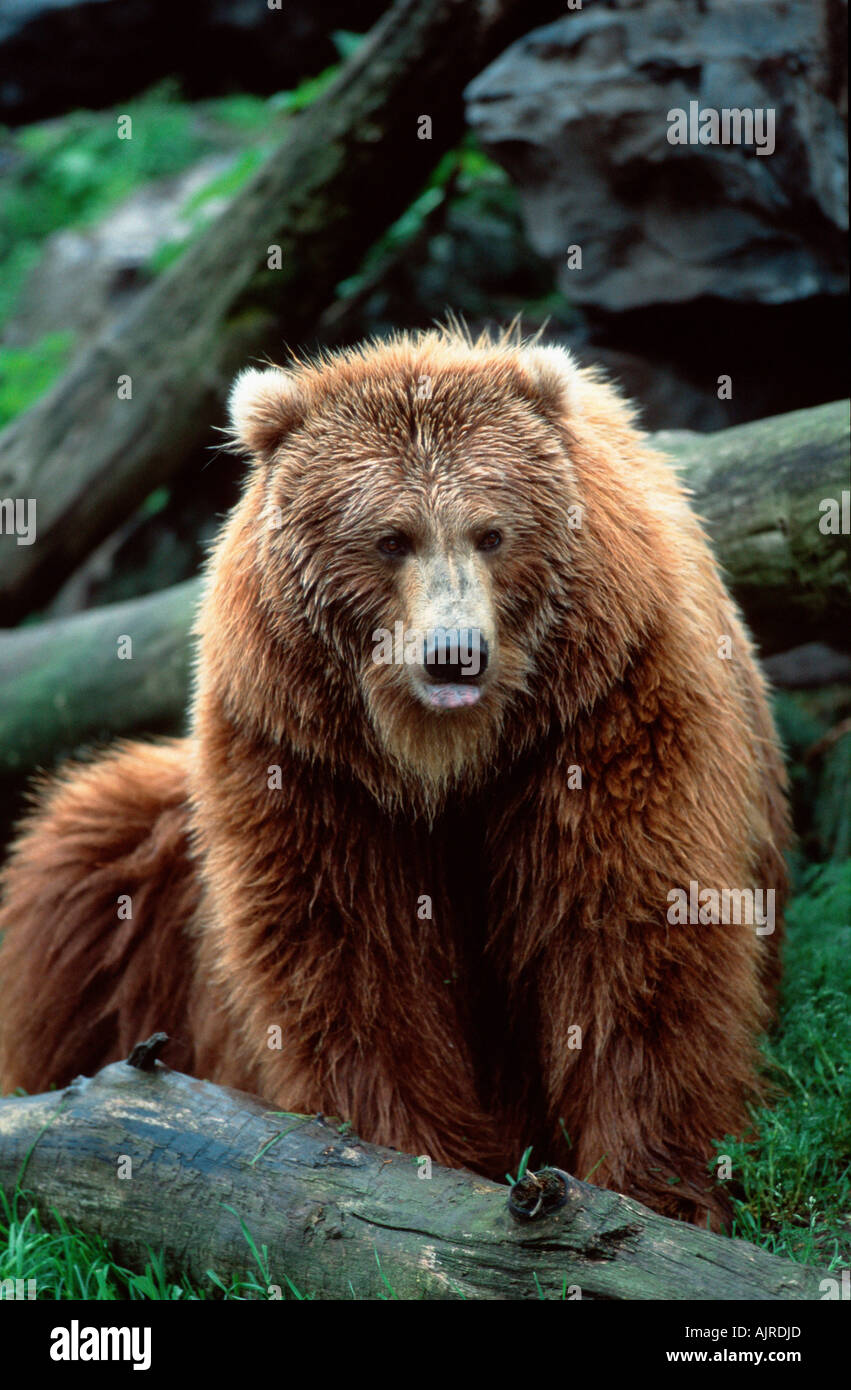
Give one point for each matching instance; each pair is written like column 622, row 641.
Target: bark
column 62, row 684
column 348, row 167
column 341, row 1218
column 759, row 487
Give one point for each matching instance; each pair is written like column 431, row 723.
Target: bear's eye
column 490, row 540
column 394, row 545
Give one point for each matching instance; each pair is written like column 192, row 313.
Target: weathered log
column 759, row 488
column 62, row 683
column 340, row 1217
column 348, row 166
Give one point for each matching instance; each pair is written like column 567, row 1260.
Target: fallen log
column 341, row 1218
column 64, row 682
column 761, row 488
column 63, row 685
column 348, row 166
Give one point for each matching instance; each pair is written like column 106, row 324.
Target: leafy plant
column 26, row 372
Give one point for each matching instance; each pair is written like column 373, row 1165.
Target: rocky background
column 697, row 260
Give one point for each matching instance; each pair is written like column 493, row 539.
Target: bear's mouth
column 452, row 696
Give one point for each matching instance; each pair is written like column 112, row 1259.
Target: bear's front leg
column 339, row 1023
column 648, row 1055
column 325, row 987
column 649, row 1017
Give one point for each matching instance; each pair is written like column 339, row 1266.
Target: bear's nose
column 453, row 655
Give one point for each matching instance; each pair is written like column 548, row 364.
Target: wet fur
column 255, row 907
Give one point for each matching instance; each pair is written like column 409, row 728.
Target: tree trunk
column 341, row 1218
column 348, row 167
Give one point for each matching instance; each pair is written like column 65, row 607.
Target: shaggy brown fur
column 295, row 899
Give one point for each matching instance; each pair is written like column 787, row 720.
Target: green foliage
column 793, row 1173
column 14, row 269
column 346, row 43
column 155, row 501
column 460, row 244
column 460, row 171
column 69, row 172
column 195, row 211
column 521, row 1169
column 25, row 372
column 306, row 92
column 67, row 1264
column 242, row 112
column 832, row 809
column 810, row 723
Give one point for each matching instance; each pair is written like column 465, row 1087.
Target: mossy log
column 347, row 167
column 762, row 489
column 339, row 1217
column 75, row 680
column 63, row 683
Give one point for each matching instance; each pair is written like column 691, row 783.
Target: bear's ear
column 263, row 407
column 554, row 376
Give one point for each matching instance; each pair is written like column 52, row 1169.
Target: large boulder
column 577, row 112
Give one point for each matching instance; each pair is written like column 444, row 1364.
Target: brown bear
column 472, row 711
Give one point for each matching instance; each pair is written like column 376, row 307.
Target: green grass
column 67, row 1264
column 791, row 1177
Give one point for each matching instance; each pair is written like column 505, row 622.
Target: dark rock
column 808, row 667
column 56, row 55
column 698, row 261
column 577, row 112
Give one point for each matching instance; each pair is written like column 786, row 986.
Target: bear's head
column 414, row 543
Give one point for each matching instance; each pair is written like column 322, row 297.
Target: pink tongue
column 453, row 696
